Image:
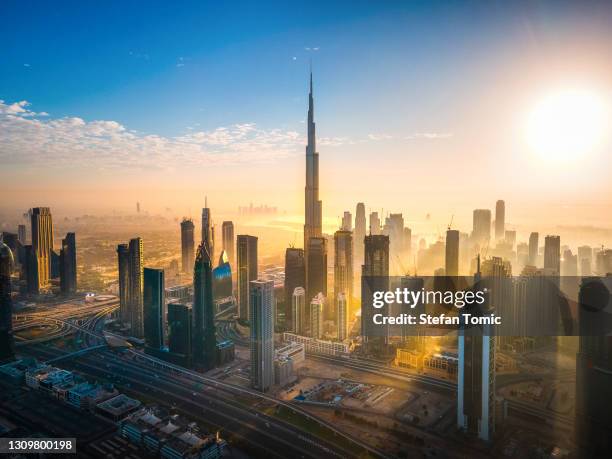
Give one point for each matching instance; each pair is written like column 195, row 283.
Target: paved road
column 213, row 405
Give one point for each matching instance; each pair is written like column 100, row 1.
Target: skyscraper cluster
column 40, row 266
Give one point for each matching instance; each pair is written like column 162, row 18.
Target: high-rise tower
column 552, row 253
column 481, row 229
column 476, row 373
column 6, row 326
column 452, row 253
column 343, row 266
column 500, row 220
column 594, row 368
column 68, row 266
column 312, row 211
column 208, row 229
column 135, row 286
column 262, row 334
column 358, row 236
column 247, row 271
column 295, row 277
column 42, row 242
column 123, row 262
column 227, row 230
column 374, row 277
column 203, row 340
column 316, row 268
column 187, row 245
column 533, row 248
column 154, row 306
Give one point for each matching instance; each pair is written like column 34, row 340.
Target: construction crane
column 401, row 265
column 403, row 268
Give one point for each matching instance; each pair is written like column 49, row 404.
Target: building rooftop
column 119, row 405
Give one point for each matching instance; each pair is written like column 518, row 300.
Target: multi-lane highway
column 207, row 402
column 195, row 393
column 216, row 400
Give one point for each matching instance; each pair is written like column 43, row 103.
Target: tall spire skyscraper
column 312, row 223
column 208, row 229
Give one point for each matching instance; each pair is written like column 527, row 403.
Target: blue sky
column 162, row 66
column 224, row 83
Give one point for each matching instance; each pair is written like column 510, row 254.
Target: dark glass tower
column 6, row 310
column 135, row 287
column 295, row 276
column 187, row 245
column 594, row 368
column 154, row 306
column 123, row 260
column 31, row 270
column 374, row 277
column 204, row 342
column 68, row 264
column 452, row 253
column 180, row 326
column 316, row 268
column 247, row 271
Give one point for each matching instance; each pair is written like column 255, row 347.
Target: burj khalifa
column 312, row 223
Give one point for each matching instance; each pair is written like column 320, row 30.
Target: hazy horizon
column 420, row 110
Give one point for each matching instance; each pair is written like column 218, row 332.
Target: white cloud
column 334, row 141
column 414, row 136
column 31, row 138
column 27, row 139
column 379, row 137
column 430, row 135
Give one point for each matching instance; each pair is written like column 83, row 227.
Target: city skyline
column 407, row 247
column 109, row 131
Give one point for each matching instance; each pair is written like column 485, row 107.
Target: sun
column 567, row 125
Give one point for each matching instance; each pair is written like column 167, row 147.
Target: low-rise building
column 87, row 396
column 294, row 351
column 118, row 407
column 283, row 371
column 169, row 436
column 317, row 346
column 46, row 377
